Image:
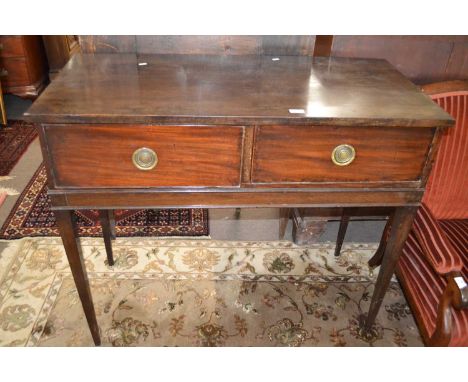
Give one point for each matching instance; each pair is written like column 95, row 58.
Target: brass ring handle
column 145, row 159
column 343, row 155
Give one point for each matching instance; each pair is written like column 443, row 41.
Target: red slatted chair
column 433, row 269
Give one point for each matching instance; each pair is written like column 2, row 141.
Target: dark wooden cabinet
column 59, row 50
column 23, row 65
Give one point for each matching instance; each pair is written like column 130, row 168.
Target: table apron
column 82, row 199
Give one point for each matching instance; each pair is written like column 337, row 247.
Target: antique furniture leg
column 402, row 221
column 376, row 260
column 237, row 213
column 105, row 218
column 76, row 261
column 342, row 231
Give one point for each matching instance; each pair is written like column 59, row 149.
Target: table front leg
column 399, row 230
column 75, row 259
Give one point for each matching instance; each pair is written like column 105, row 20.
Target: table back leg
column 75, row 259
column 342, row 231
column 110, row 213
column 106, row 219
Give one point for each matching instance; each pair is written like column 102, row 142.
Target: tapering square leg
column 77, row 266
column 399, row 230
column 342, row 231
column 376, row 260
column 112, row 223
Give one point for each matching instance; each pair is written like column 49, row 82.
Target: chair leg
column 107, row 235
column 3, row 117
column 342, row 231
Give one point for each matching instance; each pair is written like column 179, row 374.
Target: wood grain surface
column 101, row 156
column 194, row 89
column 297, row 154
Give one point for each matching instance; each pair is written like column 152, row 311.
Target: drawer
column 14, row 72
column 295, row 154
column 11, row 46
column 103, row 156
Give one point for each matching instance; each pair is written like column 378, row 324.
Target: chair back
column 447, row 188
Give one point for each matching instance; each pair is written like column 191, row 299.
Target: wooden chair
column 3, row 118
column 433, row 269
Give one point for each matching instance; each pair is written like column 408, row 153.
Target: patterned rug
column 31, row 216
column 14, row 140
column 198, row 293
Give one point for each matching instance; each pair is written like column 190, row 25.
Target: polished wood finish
column 376, row 260
column 187, row 155
column 59, row 49
column 15, row 72
column 11, row 46
column 23, row 65
column 305, row 155
column 402, row 220
column 235, row 90
column 77, row 266
column 323, row 45
column 342, row 231
column 222, row 127
column 231, row 197
column 105, row 219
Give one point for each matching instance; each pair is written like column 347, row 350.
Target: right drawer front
column 296, row 154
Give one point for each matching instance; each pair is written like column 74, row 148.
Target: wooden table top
column 193, row 89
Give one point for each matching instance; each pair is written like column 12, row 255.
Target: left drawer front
column 101, row 156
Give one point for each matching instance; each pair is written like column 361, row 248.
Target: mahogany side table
column 172, row 131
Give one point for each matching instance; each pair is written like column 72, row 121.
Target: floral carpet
column 14, row 140
column 197, row 293
column 31, row 216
